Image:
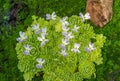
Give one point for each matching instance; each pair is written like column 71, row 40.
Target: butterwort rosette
column 70, row 54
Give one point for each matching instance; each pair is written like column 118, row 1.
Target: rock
column 100, row 11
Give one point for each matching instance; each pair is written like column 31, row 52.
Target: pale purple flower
column 65, row 41
column 64, row 33
column 53, row 16
column 22, row 37
column 87, row 16
column 36, row 28
column 90, row 48
column 76, row 48
column 91, row 45
column 40, row 62
column 75, row 29
column 64, row 22
column 63, row 46
column 48, row 17
column 64, row 53
column 27, row 50
column 37, row 31
column 69, row 35
column 84, row 17
column 64, row 28
column 43, row 39
column 44, row 31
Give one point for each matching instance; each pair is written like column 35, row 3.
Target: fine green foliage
column 110, row 69
column 8, row 34
column 8, row 60
column 57, row 66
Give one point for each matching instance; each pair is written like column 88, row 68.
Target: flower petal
column 65, row 41
column 64, row 53
column 39, row 66
column 87, row 49
column 48, row 16
column 91, row 45
column 63, row 46
column 87, row 16
column 26, row 52
column 35, row 27
column 21, row 33
column 53, row 16
column 75, row 29
column 76, row 45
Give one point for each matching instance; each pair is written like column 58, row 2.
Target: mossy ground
column 109, row 70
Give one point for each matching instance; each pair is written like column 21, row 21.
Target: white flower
column 48, row 17
column 90, row 48
column 42, row 39
column 22, row 37
column 76, row 48
column 75, row 29
column 64, row 34
column 44, row 31
column 28, row 48
column 64, row 28
column 40, row 62
column 63, row 46
column 65, row 41
column 64, row 22
column 64, row 53
column 36, row 28
column 53, row 16
column 84, row 17
column 67, row 35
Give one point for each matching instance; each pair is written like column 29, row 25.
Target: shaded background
column 15, row 16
